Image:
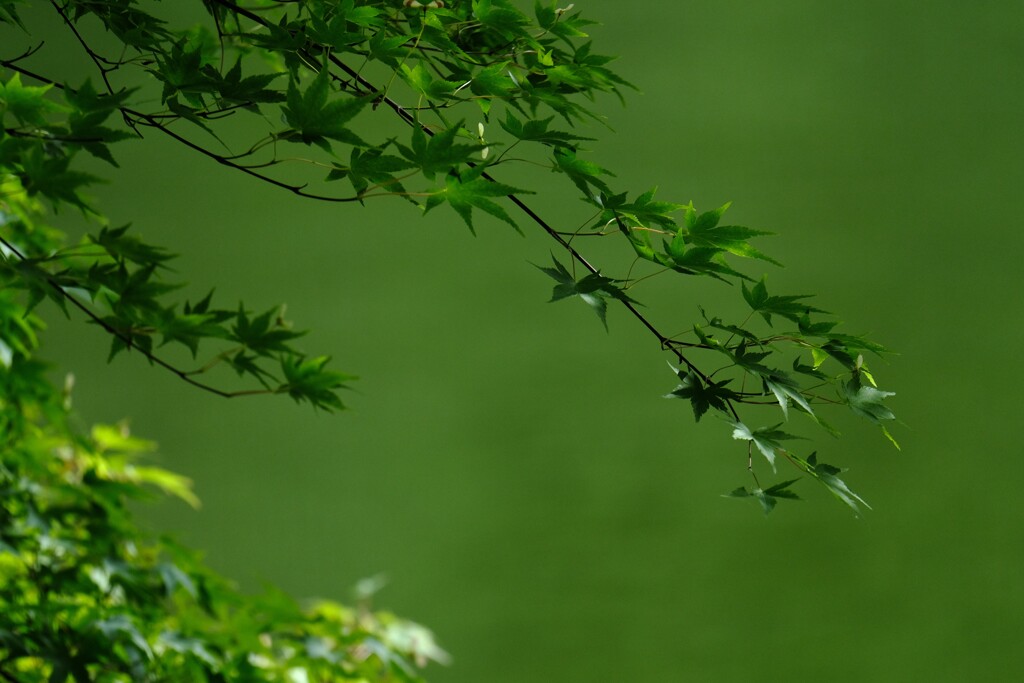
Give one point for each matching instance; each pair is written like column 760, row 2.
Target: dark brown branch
column 150, row 120
column 96, row 58
column 411, row 120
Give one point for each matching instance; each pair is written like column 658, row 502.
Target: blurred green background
column 512, row 468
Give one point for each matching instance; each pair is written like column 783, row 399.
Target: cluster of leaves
column 319, row 67
column 310, row 72
column 113, row 276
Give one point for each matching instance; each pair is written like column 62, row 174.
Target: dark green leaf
column 536, row 130
column 701, row 395
column 786, row 391
column 439, row 153
column 789, row 307
column 767, row 439
column 469, row 190
column 767, row 498
column 316, row 118
column 828, row 476
column 593, row 289
column 866, row 401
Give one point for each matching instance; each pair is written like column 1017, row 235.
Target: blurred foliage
column 84, row 592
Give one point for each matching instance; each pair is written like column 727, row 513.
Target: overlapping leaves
column 320, row 62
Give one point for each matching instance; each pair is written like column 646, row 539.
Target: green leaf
column 702, row 396
column 439, row 153
column 27, row 104
column 642, row 212
column 704, row 231
column 183, row 72
column 9, row 13
column 789, row 307
column 175, row 641
column 123, row 246
column 734, row 330
column 89, row 111
column 866, row 401
column 536, row 130
column 584, row 174
column 263, row 334
column 769, row 497
column 307, row 380
column 593, row 289
column 117, row 439
column 468, row 191
column 317, row 118
column 697, row 260
column 750, row 361
column 371, row 165
column 389, row 50
column 767, row 439
column 52, row 177
column 234, row 88
column 501, row 18
column 828, row 476
column 493, row 81
column 787, row 391
column 169, row 482
column 421, row 80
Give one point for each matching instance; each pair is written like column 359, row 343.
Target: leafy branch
column 435, row 61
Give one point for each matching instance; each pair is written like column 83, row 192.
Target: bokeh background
column 512, row 468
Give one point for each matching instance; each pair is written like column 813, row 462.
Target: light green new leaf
column 27, row 104
column 173, row 484
column 117, row 439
